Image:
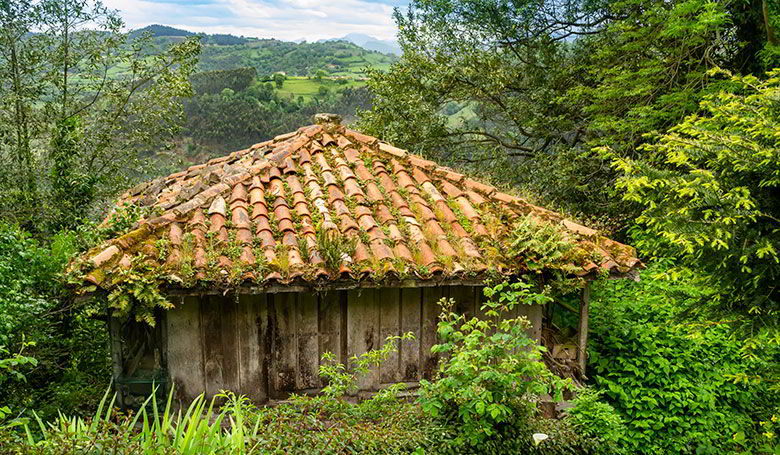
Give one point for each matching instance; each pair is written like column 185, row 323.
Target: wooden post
column 582, row 350
column 115, row 332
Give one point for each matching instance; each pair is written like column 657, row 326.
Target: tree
column 84, row 100
column 21, row 62
column 279, row 79
column 537, row 84
column 709, row 196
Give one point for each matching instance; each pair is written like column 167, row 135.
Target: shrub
column 593, row 418
column 491, row 376
column 668, row 375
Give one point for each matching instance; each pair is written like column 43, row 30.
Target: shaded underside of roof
column 262, row 215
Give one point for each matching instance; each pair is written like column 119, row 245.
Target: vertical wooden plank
column 363, row 331
column 230, row 343
column 308, row 351
column 465, row 302
column 411, row 313
column 264, row 335
column 582, row 350
column 428, row 337
column 390, row 325
column 162, row 347
column 250, row 351
column 211, row 324
column 185, row 349
column 534, row 315
column 284, row 345
column 329, row 321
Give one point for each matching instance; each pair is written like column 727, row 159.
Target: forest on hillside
column 656, row 122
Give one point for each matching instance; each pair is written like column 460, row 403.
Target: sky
column 281, row 19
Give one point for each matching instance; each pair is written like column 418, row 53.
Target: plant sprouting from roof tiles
column 162, row 245
column 124, row 218
column 138, row 292
column 541, row 245
column 233, row 247
column 282, row 262
column 462, row 219
column 303, row 248
column 334, row 247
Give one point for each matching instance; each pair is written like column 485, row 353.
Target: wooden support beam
column 582, row 349
column 115, row 334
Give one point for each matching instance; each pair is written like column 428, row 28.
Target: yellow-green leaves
column 708, row 189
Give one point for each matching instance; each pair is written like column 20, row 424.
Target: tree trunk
column 770, row 31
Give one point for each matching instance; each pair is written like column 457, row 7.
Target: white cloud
column 281, row 19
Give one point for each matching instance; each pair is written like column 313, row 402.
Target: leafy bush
column 491, row 376
column 667, row 375
column 593, row 418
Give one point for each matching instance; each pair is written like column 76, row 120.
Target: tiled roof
column 254, row 215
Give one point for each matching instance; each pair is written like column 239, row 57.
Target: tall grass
column 199, row 430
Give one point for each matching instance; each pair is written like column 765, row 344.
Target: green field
column 308, row 88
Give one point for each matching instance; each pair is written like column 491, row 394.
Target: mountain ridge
column 367, row 42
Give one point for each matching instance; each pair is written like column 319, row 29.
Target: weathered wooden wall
column 269, row 345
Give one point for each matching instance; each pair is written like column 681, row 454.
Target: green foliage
column 541, row 245
column 239, row 118
column 490, row 375
column 197, row 430
column 334, row 248
column 708, row 191
column 279, row 79
column 26, row 273
column 80, row 103
column 213, row 82
column 668, row 375
column 593, row 418
column 767, row 442
column 268, row 56
column 69, row 346
column 343, row 379
column 10, row 364
column 138, row 293
column 523, row 90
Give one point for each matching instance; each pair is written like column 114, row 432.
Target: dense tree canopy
column 538, row 84
column 708, row 189
column 79, row 101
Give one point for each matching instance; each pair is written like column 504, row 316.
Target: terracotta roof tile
column 414, row 213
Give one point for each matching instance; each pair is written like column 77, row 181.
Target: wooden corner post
column 582, row 348
column 115, row 334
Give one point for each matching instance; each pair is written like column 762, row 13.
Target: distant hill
column 221, row 52
column 369, row 43
column 163, row 31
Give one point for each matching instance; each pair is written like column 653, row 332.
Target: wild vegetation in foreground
column 486, row 403
column 652, row 371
